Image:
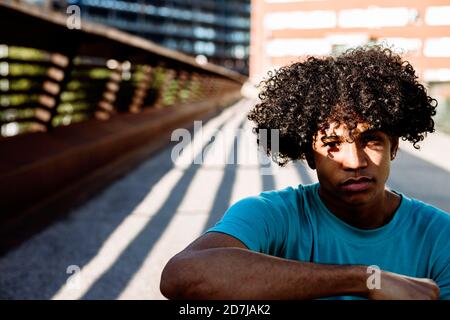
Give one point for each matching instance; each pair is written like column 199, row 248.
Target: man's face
column 353, row 169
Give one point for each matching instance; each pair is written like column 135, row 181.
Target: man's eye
column 331, row 144
column 371, row 140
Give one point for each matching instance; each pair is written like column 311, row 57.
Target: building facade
column 283, row 31
column 216, row 29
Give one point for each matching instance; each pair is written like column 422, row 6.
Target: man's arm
column 218, row 266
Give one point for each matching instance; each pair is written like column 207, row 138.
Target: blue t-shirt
column 294, row 223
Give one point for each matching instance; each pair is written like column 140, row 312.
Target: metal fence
column 52, row 76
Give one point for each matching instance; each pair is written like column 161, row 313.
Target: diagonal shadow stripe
column 420, row 179
column 37, row 270
column 115, row 280
column 267, row 180
column 225, row 189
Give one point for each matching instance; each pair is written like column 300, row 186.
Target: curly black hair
column 367, row 84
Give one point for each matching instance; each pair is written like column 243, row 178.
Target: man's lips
column 357, row 184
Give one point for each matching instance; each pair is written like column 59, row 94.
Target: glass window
column 437, row 16
column 300, row 20
column 375, row 17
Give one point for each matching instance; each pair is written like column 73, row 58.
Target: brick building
column 283, row 31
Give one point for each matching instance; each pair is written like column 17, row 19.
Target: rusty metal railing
column 52, row 76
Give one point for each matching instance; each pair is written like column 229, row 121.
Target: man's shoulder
column 287, row 197
column 428, row 214
column 427, row 209
column 287, row 203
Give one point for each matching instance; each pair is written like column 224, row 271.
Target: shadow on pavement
column 115, row 279
column 37, row 268
column 417, row 178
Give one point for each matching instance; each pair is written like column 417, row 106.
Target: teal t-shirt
column 294, row 223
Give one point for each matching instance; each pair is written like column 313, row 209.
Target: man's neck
column 368, row 216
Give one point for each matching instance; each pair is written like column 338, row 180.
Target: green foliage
column 71, row 107
column 28, row 54
column 16, row 99
column 20, row 69
column 64, row 120
column 15, row 114
column 67, row 96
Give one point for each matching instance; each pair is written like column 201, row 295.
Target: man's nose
column 354, row 157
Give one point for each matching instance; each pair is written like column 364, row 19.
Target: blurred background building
column 216, row 29
column 283, row 31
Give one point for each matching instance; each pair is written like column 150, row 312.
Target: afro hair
column 367, row 84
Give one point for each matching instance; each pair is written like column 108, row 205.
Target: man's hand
column 399, row 287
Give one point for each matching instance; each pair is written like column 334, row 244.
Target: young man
column 345, row 116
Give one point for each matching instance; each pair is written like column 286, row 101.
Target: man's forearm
column 234, row 273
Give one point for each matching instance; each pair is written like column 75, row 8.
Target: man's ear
column 394, row 147
column 310, row 159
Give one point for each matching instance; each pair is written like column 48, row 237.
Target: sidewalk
column 435, row 149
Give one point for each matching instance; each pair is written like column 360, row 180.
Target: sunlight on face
column 352, row 151
column 339, row 155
